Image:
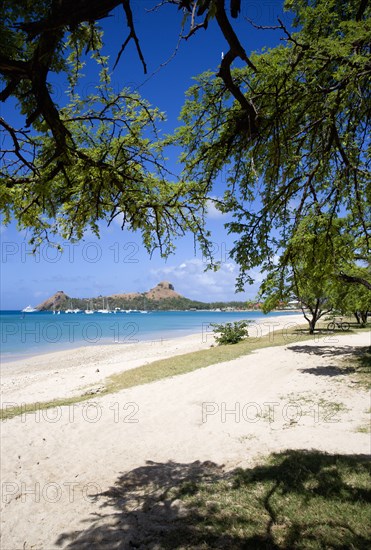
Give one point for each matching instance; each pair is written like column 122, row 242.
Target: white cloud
column 119, row 219
column 212, row 212
column 192, row 281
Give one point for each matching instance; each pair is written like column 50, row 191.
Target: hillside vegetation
column 162, row 297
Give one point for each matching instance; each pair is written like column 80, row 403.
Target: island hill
column 162, row 297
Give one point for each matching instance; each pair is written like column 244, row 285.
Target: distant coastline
column 162, row 297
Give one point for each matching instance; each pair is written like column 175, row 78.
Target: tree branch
column 236, row 50
column 132, row 35
column 69, row 13
column 47, row 35
column 17, row 148
column 361, row 9
column 354, row 280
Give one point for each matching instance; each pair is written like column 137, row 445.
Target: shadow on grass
column 330, row 351
column 296, row 499
column 355, row 360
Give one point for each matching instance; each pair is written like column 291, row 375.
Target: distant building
column 293, row 304
column 257, row 305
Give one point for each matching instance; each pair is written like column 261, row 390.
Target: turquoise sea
column 28, row 334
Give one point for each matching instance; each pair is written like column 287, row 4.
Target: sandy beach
column 76, row 371
column 60, row 467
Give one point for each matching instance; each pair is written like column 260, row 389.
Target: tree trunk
column 312, row 324
column 356, row 315
column 363, row 315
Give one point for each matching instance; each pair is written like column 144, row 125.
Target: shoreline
column 118, row 334
column 62, row 373
column 7, row 361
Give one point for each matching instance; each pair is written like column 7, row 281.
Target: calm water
column 27, row 334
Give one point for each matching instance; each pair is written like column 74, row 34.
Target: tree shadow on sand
column 329, row 370
column 358, row 357
column 329, row 351
column 296, row 499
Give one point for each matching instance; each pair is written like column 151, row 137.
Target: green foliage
column 308, row 268
column 311, row 153
column 230, row 333
column 354, row 298
column 114, row 170
column 288, row 132
column 95, row 159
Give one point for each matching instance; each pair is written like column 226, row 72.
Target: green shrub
column 230, row 333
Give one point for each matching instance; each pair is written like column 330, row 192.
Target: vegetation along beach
column 185, row 296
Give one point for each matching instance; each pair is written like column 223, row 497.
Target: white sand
column 53, row 461
column 73, row 372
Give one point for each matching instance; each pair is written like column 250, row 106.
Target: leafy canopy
column 289, row 130
column 95, row 158
column 306, row 151
column 308, row 269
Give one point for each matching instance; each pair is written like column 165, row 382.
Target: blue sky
column 118, row 262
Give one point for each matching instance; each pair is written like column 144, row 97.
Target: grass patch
column 360, row 365
column 295, row 500
column 307, row 404
column 366, row 429
column 11, row 410
column 173, row 366
column 292, row 500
